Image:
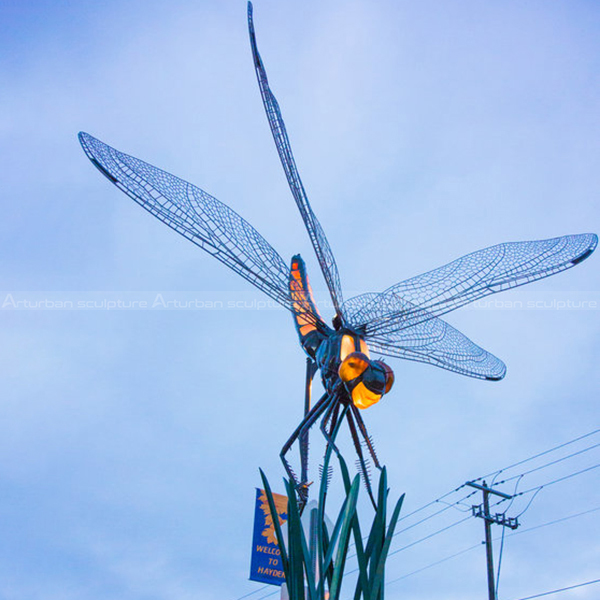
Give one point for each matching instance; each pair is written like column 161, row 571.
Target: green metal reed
column 299, row 557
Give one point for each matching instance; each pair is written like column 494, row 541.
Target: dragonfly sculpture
column 402, row 321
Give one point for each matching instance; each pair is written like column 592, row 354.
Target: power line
column 559, row 479
column 427, row 537
column 260, row 589
column 413, row 525
column 554, row 462
column 267, row 595
column 434, row 564
column 497, row 472
column 520, row 531
column 434, row 514
column 538, row 488
column 580, row 514
column 535, row 489
column 464, row 551
column 521, row 462
column 529, row 503
column 500, row 561
column 437, row 532
column 418, row 510
column 571, row 587
column 440, row 499
column 553, row 449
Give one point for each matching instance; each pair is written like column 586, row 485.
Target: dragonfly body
column 351, row 380
column 341, row 354
column 403, row 321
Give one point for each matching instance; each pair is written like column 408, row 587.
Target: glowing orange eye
column 363, row 398
column 389, row 375
column 352, row 366
column 347, row 346
column 364, row 348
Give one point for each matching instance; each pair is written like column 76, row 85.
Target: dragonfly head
column 365, row 380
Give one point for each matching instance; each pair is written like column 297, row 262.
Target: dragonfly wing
column 197, row 216
column 315, row 231
column 436, row 343
column 464, row 280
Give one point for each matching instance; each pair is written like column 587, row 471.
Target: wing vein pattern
column 197, row 216
column 437, row 343
column 315, row 231
column 465, row 280
column 403, row 321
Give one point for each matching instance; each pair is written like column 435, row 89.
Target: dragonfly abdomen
column 310, row 327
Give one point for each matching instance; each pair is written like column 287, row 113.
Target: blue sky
column 130, row 440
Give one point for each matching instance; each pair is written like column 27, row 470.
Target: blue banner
column 265, row 565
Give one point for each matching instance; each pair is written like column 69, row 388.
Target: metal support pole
column 311, row 369
column 488, row 519
column 488, row 545
column 314, row 524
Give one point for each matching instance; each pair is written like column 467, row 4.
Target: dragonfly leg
column 331, row 417
column 362, row 464
column 311, row 369
column 363, row 430
column 308, row 421
column 334, row 418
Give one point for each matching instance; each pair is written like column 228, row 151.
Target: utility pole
column 483, row 511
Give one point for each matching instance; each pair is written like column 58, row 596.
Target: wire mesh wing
column 315, row 231
column 197, row 216
column 436, row 343
column 464, row 280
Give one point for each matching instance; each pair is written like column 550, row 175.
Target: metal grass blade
column 363, row 578
column 301, row 553
column 376, row 539
column 324, row 542
column 301, row 561
column 296, row 541
column 348, row 515
column 336, row 532
column 377, row 582
column 278, row 533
